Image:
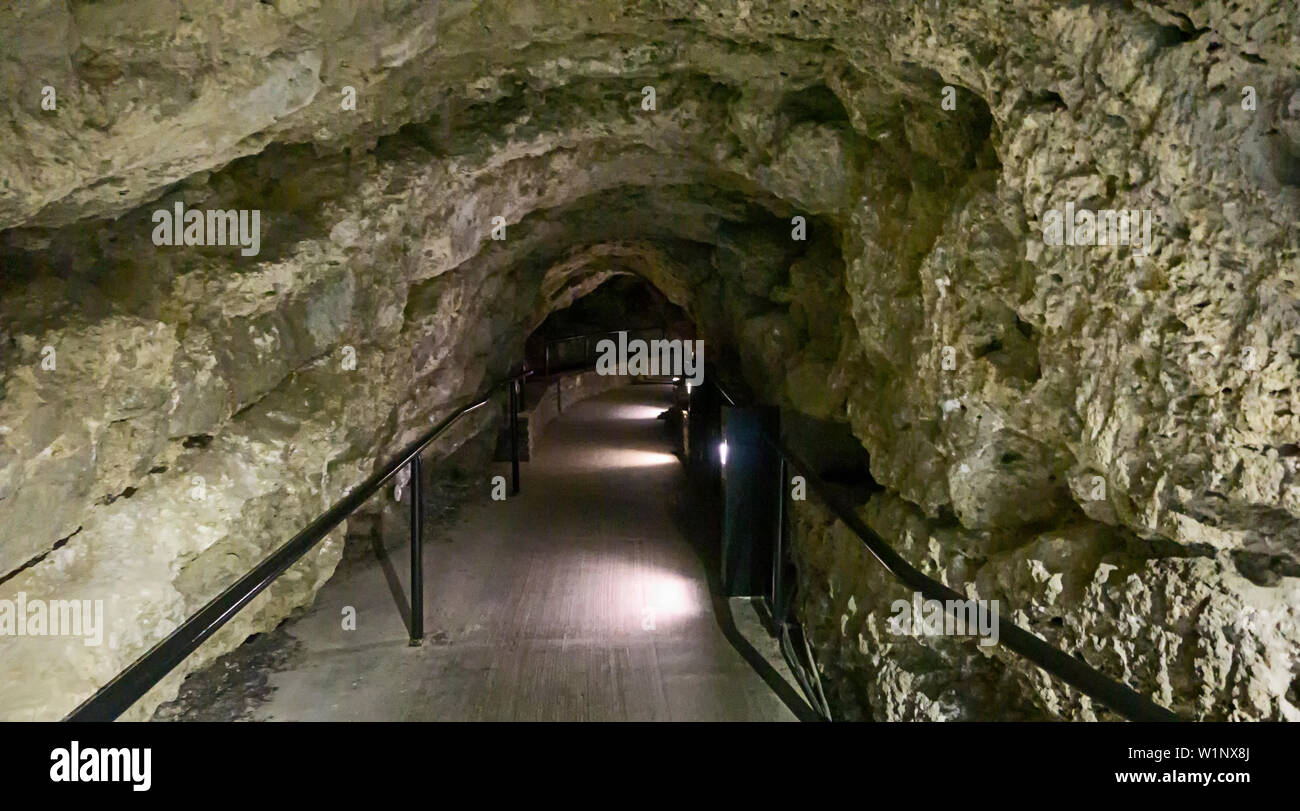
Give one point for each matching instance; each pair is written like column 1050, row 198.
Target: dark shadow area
column 566, row 339
column 834, row 453
column 236, row 683
column 400, row 598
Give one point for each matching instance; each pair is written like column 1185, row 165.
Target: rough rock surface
column 1106, row 445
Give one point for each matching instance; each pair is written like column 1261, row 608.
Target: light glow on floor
column 628, row 411
column 624, row 458
column 630, row 458
column 669, row 597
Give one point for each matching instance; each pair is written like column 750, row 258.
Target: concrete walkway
column 580, row 599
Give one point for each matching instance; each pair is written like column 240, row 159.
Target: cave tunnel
column 990, row 309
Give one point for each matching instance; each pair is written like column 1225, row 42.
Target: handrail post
column 417, row 553
column 548, row 359
column 514, row 437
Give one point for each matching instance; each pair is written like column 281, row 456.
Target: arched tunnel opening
column 623, row 302
column 314, row 339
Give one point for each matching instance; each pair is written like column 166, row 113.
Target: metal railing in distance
column 114, row 698
column 587, row 344
column 1091, row 682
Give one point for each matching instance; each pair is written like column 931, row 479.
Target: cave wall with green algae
column 1071, row 365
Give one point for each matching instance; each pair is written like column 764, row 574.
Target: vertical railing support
column 417, row 552
column 514, row 437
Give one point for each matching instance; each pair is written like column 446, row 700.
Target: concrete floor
column 580, row 599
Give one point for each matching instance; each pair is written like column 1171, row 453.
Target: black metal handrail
column 586, row 337
column 114, row 698
column 1075, row 672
